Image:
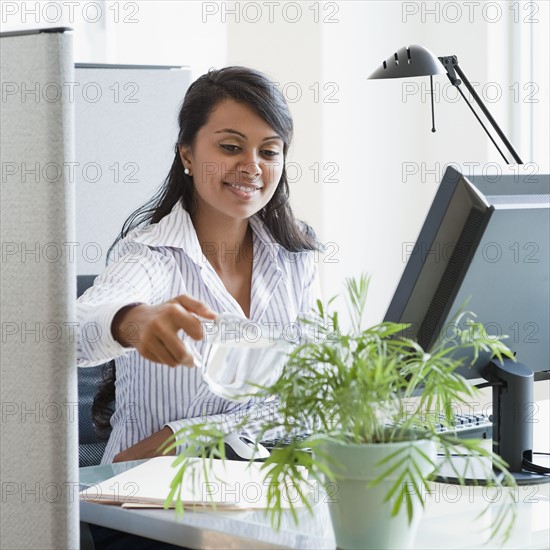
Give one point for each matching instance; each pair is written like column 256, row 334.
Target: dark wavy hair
column 257, row 91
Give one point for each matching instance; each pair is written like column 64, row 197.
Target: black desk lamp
column 418, row 61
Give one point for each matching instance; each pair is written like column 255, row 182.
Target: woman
column 220, row 236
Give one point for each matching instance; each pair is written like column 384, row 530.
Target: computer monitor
column 484, row 247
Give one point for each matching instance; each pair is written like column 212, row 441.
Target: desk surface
column 450, row 520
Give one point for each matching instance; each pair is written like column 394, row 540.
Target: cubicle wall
column 38, row 429
column 126, row 129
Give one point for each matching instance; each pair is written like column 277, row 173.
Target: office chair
column 90, row 446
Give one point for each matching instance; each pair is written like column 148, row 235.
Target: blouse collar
column 176, row 230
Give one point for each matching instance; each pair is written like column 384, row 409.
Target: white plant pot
column 360, row 517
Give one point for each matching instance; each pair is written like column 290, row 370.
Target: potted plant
column 353, row 389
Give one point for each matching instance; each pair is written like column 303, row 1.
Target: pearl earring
column 187, row 171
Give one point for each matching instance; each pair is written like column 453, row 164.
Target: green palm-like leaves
column 366, row 386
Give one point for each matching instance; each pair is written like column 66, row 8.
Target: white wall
column 518, row 50
column 391, row 163
column 168, row 33
column 159, row 32
column 540, row 76
column 289, row 52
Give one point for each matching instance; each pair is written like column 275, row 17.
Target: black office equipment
column 485, row 245
column 91, row 446
column 416, row 60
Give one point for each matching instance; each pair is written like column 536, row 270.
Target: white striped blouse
column 154, row 264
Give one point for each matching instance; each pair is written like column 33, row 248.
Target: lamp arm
column 480, row 121
column 451, row 65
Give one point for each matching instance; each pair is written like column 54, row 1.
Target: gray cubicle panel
column 38, row 388
column 126, row 129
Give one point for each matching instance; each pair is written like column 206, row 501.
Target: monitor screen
column 484, row 247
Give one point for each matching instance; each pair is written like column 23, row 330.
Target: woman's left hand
column 148, row 447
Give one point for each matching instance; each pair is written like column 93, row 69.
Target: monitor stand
column 514, row 412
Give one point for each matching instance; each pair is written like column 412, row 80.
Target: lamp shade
column 409, row 61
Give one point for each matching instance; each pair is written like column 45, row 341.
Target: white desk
column 450, row 519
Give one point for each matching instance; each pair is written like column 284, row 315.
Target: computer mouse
column 241, row 447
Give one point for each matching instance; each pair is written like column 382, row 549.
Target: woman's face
column 236, row 162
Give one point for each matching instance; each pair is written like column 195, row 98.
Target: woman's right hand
column 153, row 330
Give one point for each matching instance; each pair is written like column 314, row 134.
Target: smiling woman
column 219, row 236
column 248, row 162
column 235, row 174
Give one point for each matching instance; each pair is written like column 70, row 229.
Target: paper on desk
column 231, row 485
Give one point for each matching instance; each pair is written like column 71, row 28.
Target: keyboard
column 467, row 426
